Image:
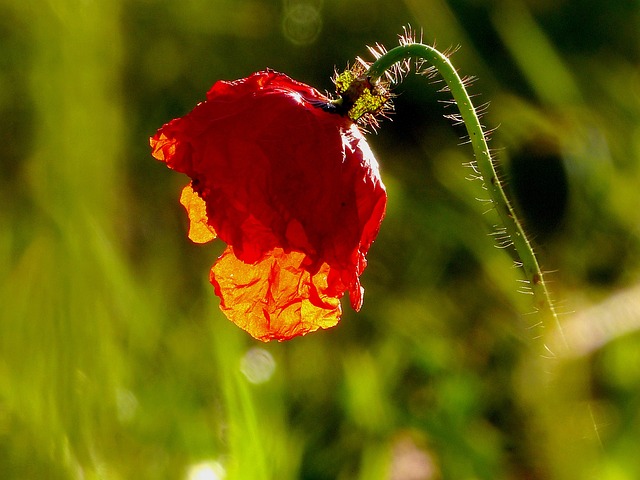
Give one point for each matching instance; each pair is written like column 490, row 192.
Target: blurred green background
column 115, row 362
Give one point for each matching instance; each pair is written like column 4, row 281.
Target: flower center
column 358, row 97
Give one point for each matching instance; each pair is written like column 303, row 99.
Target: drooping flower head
column 291, row 186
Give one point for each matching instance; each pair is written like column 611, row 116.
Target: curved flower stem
column 484, row 165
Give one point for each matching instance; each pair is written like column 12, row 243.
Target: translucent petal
column 277, row 297
column 199, row 229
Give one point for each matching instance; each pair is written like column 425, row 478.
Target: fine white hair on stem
column 484, row 166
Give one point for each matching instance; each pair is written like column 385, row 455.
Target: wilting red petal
column 199, row 229
column 278, row 173
column 163, row 148
column 276, row 297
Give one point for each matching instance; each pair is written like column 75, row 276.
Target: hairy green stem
column 484, row 165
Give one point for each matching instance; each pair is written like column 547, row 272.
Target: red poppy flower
column 291, row 187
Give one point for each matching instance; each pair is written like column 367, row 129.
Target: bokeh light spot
column 257, row 365
column 301, row 23
column 208, row 470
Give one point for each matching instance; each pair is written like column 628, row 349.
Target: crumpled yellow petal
column 199, row 229
column 276, row 298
